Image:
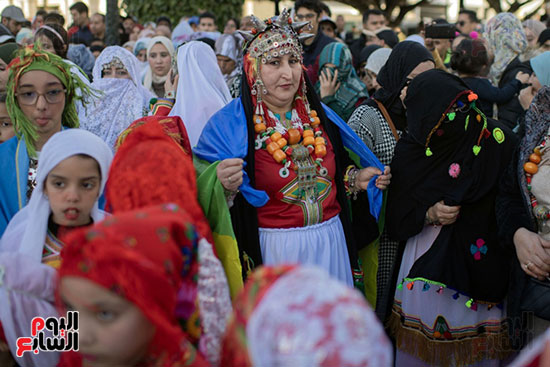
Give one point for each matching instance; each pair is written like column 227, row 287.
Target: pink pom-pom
column 454, row 170
column 474, row 35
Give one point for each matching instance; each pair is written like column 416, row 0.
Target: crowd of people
column 282, row 193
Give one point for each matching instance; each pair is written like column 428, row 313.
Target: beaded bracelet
column 350, row 178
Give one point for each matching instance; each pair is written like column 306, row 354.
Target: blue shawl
column 225, row 136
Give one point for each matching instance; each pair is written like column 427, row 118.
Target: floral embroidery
column 478, row 249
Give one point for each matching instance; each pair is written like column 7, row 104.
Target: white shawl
column 201, row 88
column 26, row 285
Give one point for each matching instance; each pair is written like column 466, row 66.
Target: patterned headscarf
column 29, row 59
column 146, row 257
column 152, row 166
column 507, row 40
column 351, row 87
column 299, row 316
column 537, row 127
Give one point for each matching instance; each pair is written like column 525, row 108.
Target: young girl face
column 6, row 127
column 159, row 59
column 41, row 97
column 72, row 188
column 112, row 330
column 142, row 55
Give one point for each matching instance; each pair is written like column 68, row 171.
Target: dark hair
column 388, row 36
column 207, row 14
column 326, row 9
column 470, row 57
column 544, row 36
column 59, row 46
column 79, row 7
column 41, row 13
column 101, row 15
column 314, row 5
column 372, row 12
column 164, row 18
column 54, row 18
column 236, row 20
column 470, row 13
column 3, row 96
column 440, row 21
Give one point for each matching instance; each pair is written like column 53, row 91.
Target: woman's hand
column 522, row 77
column 526, row 96
column 443, row 214
column 171, row 84
column 533, row 253
column 329, row 83
column 230, row 173
column 366, row 174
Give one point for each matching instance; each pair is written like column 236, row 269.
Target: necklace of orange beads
column 531, row 168
column 279, row 146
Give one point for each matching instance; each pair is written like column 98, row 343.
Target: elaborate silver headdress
column 275, row 37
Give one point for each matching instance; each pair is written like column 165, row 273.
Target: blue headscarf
column 541, row 67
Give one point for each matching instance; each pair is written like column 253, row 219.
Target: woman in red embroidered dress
column 286, row 155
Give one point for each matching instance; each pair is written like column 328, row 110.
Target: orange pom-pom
column 313, row 113
column 472, row 97
column 308, row 132
column 281, row 142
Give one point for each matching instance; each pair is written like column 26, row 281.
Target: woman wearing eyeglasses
column 41, row 101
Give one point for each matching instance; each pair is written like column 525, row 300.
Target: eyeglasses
column 308, row 16
column 30, row 98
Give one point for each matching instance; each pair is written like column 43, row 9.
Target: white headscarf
column 26, row 285
column 182, row 33
column 149, row 76
column 123, row 100
column 201, row 88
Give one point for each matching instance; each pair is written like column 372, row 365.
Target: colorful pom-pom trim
column 498, row 134
column 454, row 170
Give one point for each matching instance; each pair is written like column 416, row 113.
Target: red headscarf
column 145, row 257
column 153, row 165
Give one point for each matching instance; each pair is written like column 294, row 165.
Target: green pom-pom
column 476, row 149
column 400, row 286
column 428, row 152
column 469, row 303
column 451, row 116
